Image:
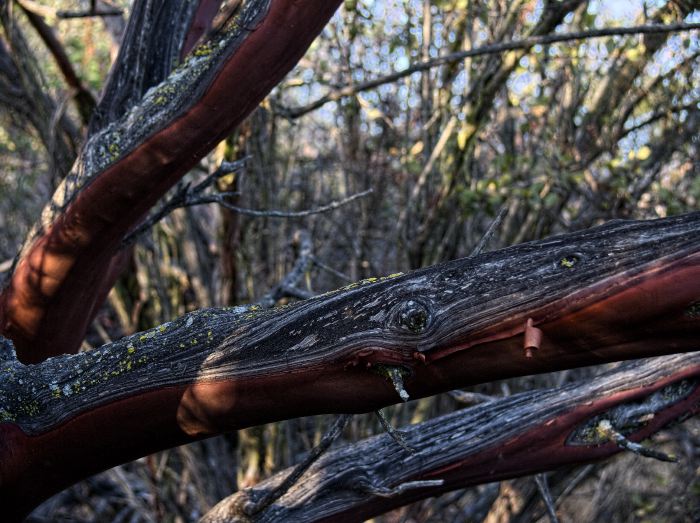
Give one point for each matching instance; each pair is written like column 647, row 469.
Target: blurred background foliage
column 562, row 137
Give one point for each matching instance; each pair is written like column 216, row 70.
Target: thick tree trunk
column 524, row 434
column 620, row 291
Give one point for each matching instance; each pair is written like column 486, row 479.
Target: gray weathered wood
column 620, row 291
column 359, row 324
column 363, row 480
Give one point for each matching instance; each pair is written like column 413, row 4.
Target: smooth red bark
column 46, row 308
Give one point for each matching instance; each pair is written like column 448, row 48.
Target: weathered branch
column 523, row 434
column 620, row 291
column 149, row 52
column 130, row 163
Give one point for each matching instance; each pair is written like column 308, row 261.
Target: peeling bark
column 624, row 290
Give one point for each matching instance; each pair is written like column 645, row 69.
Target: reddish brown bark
column 201, row 24
column 508, row 437
column 46, row 308
column 253, row 370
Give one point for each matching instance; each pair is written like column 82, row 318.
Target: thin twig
column 215, row 198
column 181, row 198
column 580, row 476
column 187, row 196
column 330, row 269
column 543, row 487
column 396, row 435
column 273, row 495
column 486, row 238
column 524, row 43
column 606, row 429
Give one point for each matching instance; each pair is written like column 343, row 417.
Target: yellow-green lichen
column 114, row 150
column 30, row 408
column 568, row 263
column 6, row 416
column 203, row 50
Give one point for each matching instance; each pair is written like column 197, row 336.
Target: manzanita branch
column 619, row 291
column 526, row 433
column 127, row 165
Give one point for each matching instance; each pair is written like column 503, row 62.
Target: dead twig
column 188, row 196
column 403, row 487
column 219, row 198
column 606, row 430
column 395, row 434
column 543, row 488
column 486, row 238
column 254, row 507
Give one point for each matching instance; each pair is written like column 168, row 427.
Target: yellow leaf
column 464, row 134
column 538, row 110
column 416, row 149
column 644, row 153
column 374, row 114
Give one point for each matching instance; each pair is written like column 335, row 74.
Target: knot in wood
column 413, row 316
